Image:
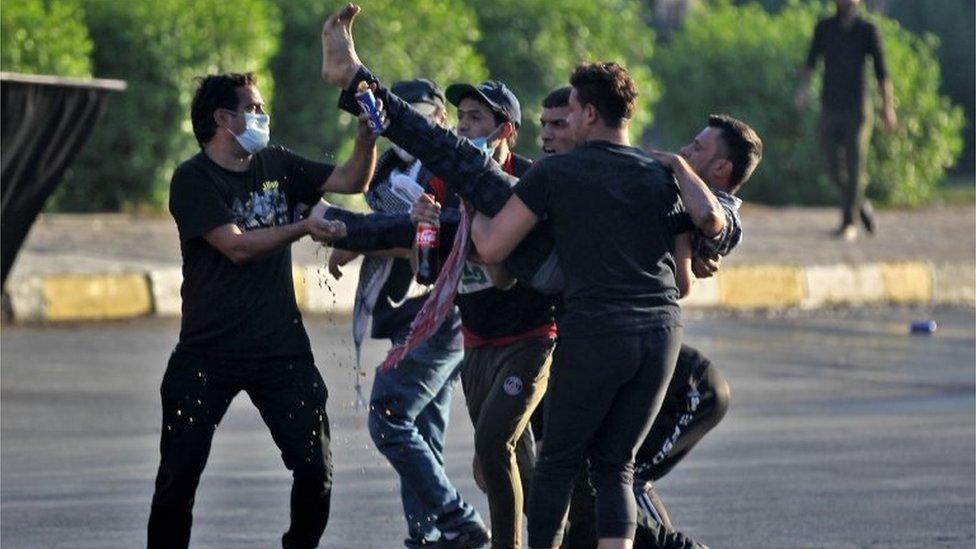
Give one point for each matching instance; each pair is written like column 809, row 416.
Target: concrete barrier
column 843, row 284
column 907, row 282
column 166, row 284
column 157, row 292
column 762, row 286
column 96, row 297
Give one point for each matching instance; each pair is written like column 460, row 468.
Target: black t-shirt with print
column 248, row 310
column 614, row 215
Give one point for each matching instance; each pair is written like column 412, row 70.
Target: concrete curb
column 70, row 298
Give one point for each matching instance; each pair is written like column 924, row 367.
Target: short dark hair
column 609, row 88
column 216, row 91
column 557, row 98
column 743, row 148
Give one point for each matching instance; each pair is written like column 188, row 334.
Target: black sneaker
column 472, row 536
column 867, row 216
column 411, row 543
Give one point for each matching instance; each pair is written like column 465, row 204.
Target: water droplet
column 179, row 412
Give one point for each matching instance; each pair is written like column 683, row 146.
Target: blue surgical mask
column 482, row 143
column 256, row 134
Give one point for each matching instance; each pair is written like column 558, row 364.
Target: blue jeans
column 409, row 410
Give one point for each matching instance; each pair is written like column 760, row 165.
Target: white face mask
column 256, row 134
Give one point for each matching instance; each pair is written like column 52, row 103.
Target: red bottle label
column 426, row 236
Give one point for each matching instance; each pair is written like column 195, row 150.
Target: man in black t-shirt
column 845, row 41
column 241, row 328
column 616, row 221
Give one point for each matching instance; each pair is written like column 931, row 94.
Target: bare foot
column 339, row 59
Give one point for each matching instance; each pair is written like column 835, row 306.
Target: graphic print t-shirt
column 248, row 310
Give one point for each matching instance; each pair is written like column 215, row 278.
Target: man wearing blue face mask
column 508, row 334
column 241, row 328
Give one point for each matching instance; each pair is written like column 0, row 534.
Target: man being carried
column 626, row 291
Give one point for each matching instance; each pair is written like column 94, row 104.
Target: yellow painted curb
column 298, row 276
column 908, row 282
column 95, row 297
column 761, row 286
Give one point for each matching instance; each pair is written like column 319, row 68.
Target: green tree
column 159, row 48
column 533, row 46
column 743, row 61
column 44, row 37
column 953, row 22
column 397, row 39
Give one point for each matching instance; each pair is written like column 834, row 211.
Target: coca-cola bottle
column 427, row 252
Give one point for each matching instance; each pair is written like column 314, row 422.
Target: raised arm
column 466, row 169
column 353, row 176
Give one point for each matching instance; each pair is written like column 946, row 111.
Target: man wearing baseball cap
column 509, row 334
column 500, row 102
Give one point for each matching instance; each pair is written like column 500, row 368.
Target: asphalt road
column 844, row 431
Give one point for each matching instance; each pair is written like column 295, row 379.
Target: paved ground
column 801, row 236
column 845, row 431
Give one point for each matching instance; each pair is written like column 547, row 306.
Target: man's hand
column 889, row 120
column 339, row 59
column 670, row 160
column 324, row 231
column 364, row 134
column 425, row 209
column 704, row 267
column 337, row 259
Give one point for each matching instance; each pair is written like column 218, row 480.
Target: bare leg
column 339, row 59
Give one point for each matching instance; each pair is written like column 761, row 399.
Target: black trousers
column 604, row 392
column 291, row 397
column 696, row 401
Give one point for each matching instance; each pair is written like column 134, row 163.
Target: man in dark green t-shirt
column 845, row 41
column 241, row 328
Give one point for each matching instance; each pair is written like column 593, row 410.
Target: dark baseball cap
column 495, row 94
column 420, row 90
